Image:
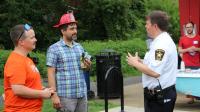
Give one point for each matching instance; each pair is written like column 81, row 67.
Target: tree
column 97, row 19
column 109, row 19
column 41, row 14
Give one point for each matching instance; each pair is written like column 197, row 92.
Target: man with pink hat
column 65, row 71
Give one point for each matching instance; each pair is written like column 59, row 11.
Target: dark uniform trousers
column 152, row 105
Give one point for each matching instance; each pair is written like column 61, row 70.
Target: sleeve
column 198, row 41
column 180, row 44
column 158, row 59
column 16, row 72
column 51, row 58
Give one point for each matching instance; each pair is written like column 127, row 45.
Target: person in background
column 159, row 66
column 189, row 47
column 22, row 82
column 189, row 50
column 66, row 62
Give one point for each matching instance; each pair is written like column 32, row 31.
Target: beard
column 74, row 37
column 71, row 37
column 190, row 32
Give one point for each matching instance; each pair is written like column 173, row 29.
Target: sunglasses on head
column 27, row 27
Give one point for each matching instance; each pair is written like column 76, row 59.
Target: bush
column 122, row 47
column 42, row 62
column 3, row 57
column 97, row 19
column 41, row 66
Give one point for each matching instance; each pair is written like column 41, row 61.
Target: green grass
column 94, row 105
column 1, row 86
column 1, row 91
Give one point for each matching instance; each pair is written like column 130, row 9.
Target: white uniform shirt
column 161, row 58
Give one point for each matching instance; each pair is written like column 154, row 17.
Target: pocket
column 149, row 95
column 160, row 97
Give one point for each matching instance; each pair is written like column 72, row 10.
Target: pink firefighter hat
column 66, row 19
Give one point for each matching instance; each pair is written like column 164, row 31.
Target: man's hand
column 195, row 48
column 56, row 101
column 133, row 60
column 47, row 92
column 191, row 49
column 87, row 63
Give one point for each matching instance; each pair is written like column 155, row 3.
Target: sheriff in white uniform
column 161, row 58
column 159, row 66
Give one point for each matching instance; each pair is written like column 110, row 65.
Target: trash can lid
column 107, row 52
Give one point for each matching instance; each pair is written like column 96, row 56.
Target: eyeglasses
column 27, row 27
column 189, row 27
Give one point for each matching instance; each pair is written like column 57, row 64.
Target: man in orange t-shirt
column 22, row 82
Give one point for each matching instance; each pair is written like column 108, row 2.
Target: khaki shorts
column 73, row 105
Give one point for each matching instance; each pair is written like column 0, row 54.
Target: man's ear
column 62, row 31
column 156, row 26
column 20, row 42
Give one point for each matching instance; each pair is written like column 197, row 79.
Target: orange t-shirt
column 21, row 70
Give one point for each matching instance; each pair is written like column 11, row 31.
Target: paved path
column 133, row 94
column 134, row 109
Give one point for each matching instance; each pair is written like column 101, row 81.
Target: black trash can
column 105, row 60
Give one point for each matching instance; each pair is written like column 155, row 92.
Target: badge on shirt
column 159, row 53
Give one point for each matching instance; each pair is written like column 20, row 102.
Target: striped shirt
column 70, row 81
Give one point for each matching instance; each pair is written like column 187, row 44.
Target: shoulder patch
column 159, row 53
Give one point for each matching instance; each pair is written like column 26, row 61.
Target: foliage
column 121, row 47
column 171, row 7
column 97, row 19
column 3, row 57
column 1, row 87
column 41, row 62
column 113, row 19
column 42, row 15
column 1, row 92
column 41, row 65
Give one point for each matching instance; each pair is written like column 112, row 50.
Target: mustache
column 74, row 35
column 189, row 32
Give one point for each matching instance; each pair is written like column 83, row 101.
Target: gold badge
column 159, row 54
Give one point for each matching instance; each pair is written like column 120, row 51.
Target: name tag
column 195, row 42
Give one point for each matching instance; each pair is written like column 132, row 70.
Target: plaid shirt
column 69, row 75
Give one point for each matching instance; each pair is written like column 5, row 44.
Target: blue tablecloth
column 188, row 82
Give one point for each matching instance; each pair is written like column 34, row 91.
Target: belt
column 169, row 88
column 163, row 90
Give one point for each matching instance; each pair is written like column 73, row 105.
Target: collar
column 62, row 42
column 160, row 36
